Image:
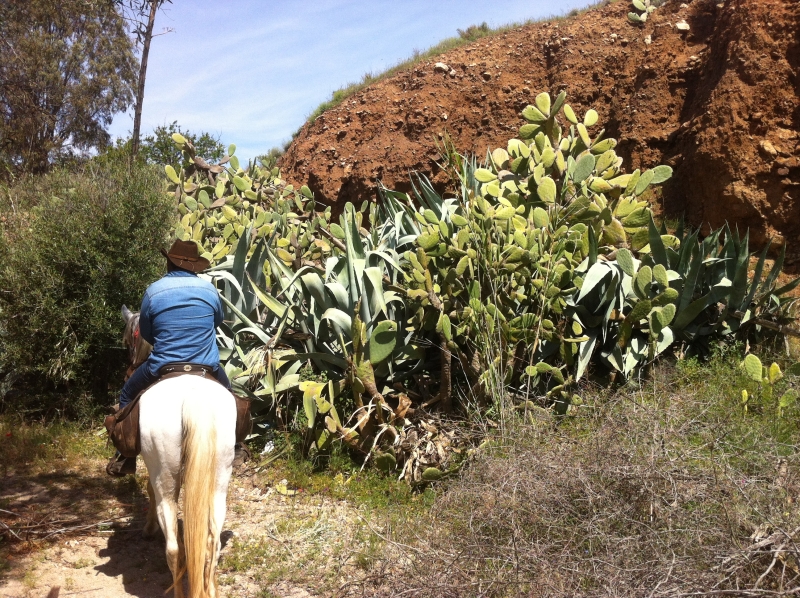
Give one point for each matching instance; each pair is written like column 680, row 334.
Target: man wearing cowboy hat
column 179, row 316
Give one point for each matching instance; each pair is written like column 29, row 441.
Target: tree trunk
column 137, row 115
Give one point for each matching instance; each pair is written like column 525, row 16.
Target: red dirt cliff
column 720, row 103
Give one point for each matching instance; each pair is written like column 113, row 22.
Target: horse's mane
column 138, row 348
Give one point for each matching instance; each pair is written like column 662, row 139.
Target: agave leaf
column 287, row 382
column 596, row 275
column 687, row 315
column 756, row 281
column 773, row 273
column 335, row 360
column 251, row 326
column 275, row 306
column 342, row 321
column 374, row 291
column 585, row 354
column 787, row 288
column 665, row 339
column 339, row 294
column 593, row 249
column 739, row 286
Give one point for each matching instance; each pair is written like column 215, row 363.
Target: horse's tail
column 199, row 457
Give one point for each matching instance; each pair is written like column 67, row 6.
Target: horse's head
column 138, row 348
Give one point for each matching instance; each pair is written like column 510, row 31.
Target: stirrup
column 241, row 453
column 120, row 466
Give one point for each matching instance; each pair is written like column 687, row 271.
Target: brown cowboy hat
column 186, row 255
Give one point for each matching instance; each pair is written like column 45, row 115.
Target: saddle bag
column 123, row 429
column 244, row 423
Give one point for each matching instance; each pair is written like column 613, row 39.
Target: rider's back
column 179, row 315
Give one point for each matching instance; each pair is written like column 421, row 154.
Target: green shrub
column 74, row 246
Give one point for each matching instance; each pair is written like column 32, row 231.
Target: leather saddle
column 123, row 426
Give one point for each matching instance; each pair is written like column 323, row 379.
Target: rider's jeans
column 142, row 378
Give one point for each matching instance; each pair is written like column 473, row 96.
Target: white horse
column 187, row 428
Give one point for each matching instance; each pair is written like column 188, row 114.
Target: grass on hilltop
column 465, row 36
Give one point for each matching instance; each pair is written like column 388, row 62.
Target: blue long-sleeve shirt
column 179, row 315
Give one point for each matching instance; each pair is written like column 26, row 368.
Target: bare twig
column 332, row 239
column 11, row 531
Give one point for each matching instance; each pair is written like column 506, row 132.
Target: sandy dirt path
column 275, row 545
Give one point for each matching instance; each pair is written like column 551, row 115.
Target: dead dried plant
column 668, row 489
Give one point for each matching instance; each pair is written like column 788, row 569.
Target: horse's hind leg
column 167, row 510
column 217, row 521
column 151, row 527
column 168, row 514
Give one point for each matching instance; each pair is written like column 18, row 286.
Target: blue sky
column 251, row 71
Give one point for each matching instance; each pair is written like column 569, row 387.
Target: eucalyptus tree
column 66, row 67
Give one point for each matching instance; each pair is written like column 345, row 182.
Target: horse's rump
column 187, row 428
column 123, row 426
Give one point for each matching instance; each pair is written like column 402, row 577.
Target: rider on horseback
column 179, row 315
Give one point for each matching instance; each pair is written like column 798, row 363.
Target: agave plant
column 344, row 318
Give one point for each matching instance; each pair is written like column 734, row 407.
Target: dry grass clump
column 669, row 489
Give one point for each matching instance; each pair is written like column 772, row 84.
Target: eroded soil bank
column 719, row 102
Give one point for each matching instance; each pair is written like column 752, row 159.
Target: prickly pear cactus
column 219, row 202
column 572, row 174
column 643, row 8
column 508, row 258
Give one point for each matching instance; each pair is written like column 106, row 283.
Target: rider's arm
column 145, row 327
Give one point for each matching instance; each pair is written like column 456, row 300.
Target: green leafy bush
column 158, row 147
column 74, row 246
